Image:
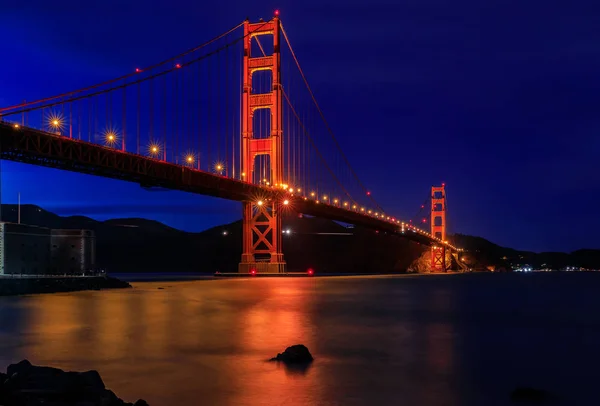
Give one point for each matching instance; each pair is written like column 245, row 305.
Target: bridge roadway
column 41, row 148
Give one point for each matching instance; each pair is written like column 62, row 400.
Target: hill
column 141, row 245
column 481, row 253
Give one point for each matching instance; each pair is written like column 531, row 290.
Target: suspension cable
column 325, row 121
column 111, row 81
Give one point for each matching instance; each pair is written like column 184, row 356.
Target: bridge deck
column 41, row 148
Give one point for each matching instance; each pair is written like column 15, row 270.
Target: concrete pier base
column 262, row 267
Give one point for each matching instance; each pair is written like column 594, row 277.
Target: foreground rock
column 296, row 354
column 26, row 286
column 531, row 395
column 28, row 385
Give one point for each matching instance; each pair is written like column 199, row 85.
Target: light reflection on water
column 378, row 340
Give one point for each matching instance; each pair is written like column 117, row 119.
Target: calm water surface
column 418, row 340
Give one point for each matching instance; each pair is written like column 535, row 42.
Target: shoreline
column 18, row 286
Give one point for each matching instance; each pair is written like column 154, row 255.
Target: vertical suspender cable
column 138, row 119
column 124, row 118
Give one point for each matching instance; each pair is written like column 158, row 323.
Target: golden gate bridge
column 183, row 124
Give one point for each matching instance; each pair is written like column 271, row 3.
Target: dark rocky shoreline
column 28, row 385
column 10, row 286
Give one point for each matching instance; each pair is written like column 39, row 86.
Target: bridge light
column 312, row 194
column 362, row 209
column 284, row 186
column 286, row 202
column 291, row 190
column 154, row 149
column 137, row 70
column 370, row 211
column 259, row 203
column 219, row 167
column 16, row 126
column 110, row 137
column 345, row 204
column 368, row 193
column 243, row 174
column 276, row 13
column 354, row 206
column 335, row 201
column 299, row 190
column 178, row 66
column 324, row 197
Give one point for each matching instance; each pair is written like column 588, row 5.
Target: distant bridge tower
column 261, row 251
column 438, row 227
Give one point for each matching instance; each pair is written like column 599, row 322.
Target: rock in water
column 526, row 394
column 30, row 385
column 296, row 354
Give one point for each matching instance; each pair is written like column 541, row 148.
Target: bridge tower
column 262, row 251
column 438, row 227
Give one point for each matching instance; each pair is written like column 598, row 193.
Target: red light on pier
column 253, row 272
column 310, row 272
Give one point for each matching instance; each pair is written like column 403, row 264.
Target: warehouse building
column 32, row 250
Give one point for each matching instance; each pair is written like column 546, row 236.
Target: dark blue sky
column 499, row 99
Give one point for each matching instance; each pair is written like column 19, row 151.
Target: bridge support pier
column 261, row 231
column 261, row 251
column 438, row 227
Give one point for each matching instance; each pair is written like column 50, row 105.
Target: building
column 24, row 249
column 72, row 251
column 32, row 250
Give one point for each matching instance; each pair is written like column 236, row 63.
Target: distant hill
column 141, row 245
column 483, row 253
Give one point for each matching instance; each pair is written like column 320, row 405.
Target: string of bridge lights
column 56, row 124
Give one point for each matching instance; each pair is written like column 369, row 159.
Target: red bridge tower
column 438, row 227
column 261, row 251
